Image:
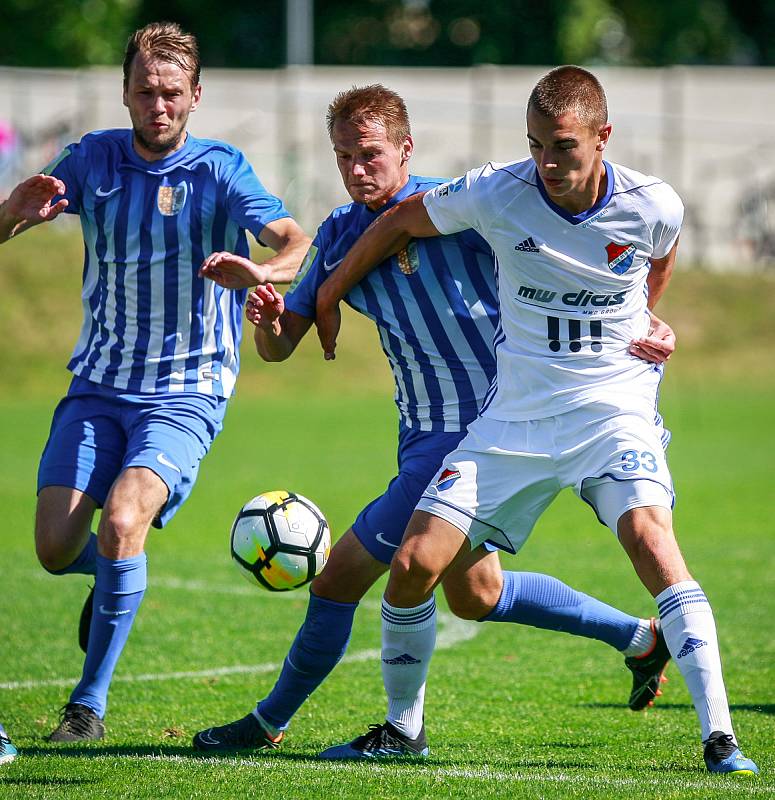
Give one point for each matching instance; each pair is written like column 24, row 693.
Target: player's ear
column 196, row 97
column 603, row 135
column 124, row 97
column 407, row 148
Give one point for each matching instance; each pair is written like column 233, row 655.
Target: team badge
column 408, row 259
column 620, row 257
column 171, row 199
column 447, row 478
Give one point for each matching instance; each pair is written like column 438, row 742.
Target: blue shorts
column 381, row 525
column 97, row 432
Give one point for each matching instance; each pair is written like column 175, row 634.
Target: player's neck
column 588, row 194
column 381, row 202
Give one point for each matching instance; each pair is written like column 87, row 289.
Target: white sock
column 690, row 633
column 643, row 639
column 408, row 639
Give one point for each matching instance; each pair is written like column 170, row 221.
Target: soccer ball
column 280, row 541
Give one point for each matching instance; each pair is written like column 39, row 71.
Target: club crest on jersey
column 620, row 257
column 408, row 259
column 171, row 199
column 447, row 478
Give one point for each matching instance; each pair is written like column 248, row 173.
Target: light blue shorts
column 97, row 432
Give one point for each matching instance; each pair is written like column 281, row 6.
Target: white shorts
column 504, row 475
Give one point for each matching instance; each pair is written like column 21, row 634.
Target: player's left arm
column 659, row 344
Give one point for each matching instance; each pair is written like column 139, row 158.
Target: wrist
column 327, row 297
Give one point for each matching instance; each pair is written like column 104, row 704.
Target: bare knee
column 52, row 551
column 122, row 532
column 62, row 526
column 412, row 579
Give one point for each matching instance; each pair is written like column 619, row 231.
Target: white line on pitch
column 451, row 632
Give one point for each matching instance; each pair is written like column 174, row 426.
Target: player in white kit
column 584, row 248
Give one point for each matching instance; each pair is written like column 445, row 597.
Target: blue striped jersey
column 435, row 306
column 149, row 323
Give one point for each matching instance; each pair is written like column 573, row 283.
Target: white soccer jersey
column 572, row 289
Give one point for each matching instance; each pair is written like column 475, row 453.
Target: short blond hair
column 373, row 103
column 167, row 42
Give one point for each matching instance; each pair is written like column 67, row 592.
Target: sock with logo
column 408, row 639
column 690, row 633
column 118, row 592
column 318, row 647
column 530, row 598
column 85, row 563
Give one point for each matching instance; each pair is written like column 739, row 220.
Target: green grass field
column 511, row 711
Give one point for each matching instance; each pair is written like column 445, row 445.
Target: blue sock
column 319, row 645
column 118, row 592
column 85, row 564
column 544, row 602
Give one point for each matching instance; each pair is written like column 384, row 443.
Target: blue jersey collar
column 162, row 164
column 575, row 219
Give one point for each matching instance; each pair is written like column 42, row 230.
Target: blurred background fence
column 709, row 131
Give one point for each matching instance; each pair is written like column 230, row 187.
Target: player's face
column 569, row 157
column 159, row 97
column 372, row 167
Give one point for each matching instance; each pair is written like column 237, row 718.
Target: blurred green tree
column 246, row 33
column 39, row 33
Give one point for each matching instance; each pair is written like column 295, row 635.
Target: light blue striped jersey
column 434, row 305
column 149, row 323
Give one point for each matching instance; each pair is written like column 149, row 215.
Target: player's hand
column 231, row 271
column 30, row 201
column 265, row 306
column 658, row 346
column 328, row 319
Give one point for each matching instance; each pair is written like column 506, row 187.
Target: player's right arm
column 386, row 236
column 277, row 329
column 29, row 204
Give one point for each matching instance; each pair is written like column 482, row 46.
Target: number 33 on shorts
column 634, row 461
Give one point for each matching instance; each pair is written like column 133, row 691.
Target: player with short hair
column 583, row 249
column 158, row 353
column 436, row 312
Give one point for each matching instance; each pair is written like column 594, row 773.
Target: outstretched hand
column 30, row 201
column 265, row 306
column 231, row 271
column 658, row 346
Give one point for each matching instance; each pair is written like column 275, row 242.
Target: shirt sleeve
column 668, row 223
column 453, row 206
column 250, row 205
column 67, row 166
column 301, row 297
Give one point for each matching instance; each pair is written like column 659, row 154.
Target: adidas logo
column 528, row 246
column 405, row 658
column 690, row 645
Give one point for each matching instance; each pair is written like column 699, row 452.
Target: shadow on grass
column 763, row 708
column 454, row 762
column 172, row 751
